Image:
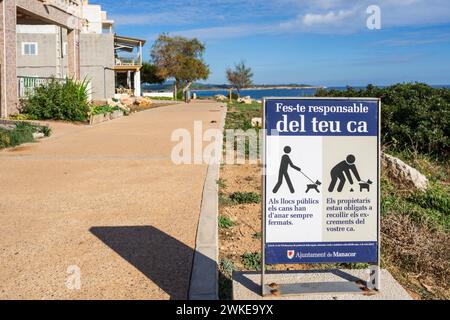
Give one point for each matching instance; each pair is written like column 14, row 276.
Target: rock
column 98, row 118
column 403, row 174
column 127, row 101
column 245, row 100
column 38, row 135
column 143, row 102
column 119, row 96
column 257, row 122
column 112, row 103
column 220, row 97
column 116, row 114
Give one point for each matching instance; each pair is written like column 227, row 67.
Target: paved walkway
column 106, row 199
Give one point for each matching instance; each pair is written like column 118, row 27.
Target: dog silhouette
column 365, row 186
column 314, row 186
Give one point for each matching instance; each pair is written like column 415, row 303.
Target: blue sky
column 321, row 42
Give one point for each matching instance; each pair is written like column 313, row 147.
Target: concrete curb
column 204, row 277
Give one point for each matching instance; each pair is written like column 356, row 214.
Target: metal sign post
column 321, row 187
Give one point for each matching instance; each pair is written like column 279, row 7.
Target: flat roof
column 128, row 40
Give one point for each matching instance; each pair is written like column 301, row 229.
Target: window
column 29, row 48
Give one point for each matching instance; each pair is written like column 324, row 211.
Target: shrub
column 58, row 100
column 414, row 115
column 225, row 222
column 222, row 183
column 5, row 141
column 419, row 251
column 224, row 200
column 227, row 266
column 21, row 133
column 245, row 197
column 103, row 109
column 251, row 261
column 46, row 130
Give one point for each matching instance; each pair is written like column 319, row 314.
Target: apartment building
column 66, row 14
column 110, row 62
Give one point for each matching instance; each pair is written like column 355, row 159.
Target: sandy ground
column 245, row 236
column 107, row 199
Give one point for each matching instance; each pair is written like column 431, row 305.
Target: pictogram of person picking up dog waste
column 341, row 172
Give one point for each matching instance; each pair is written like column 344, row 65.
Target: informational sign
column 321, row 184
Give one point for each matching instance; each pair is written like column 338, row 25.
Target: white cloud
column 330, row 17
column 219, row 19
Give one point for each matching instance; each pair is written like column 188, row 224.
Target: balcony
column 128, row 53
column 129, row 62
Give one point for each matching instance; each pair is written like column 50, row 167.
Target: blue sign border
column 321, row 252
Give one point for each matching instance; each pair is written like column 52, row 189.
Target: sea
column 258, row 94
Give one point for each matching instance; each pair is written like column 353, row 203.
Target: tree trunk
column 175, row 94
column 185, row 90
column 188, row 85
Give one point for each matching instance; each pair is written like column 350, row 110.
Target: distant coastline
column 261, row 88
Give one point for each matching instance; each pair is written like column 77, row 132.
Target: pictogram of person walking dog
column 342, row 172
column 283, row 174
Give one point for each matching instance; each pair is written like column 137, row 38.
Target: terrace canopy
column 128, row 63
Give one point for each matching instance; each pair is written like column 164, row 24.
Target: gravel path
column 106, row 199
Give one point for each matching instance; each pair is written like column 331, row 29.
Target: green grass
column 239, row 198
column 161, row 98
column 415, row 227
column 226, row 268
column 430, row 208
column 225, row 222
column 22, row 133
column 222, row 183
column 96, row 110
column 245, row 197
column 239, row 117
column 432, row 167
column 242, row 118
column 251, row 261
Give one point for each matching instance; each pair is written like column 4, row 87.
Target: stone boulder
column 257, row 122
column 127, row 101
column 220, row 97
column 38, row 135
column 113, row 103
column 403, row 174
column 143, row 102
column 245, row 100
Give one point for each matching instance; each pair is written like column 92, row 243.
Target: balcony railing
column 128, row 61
column 26, row 85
